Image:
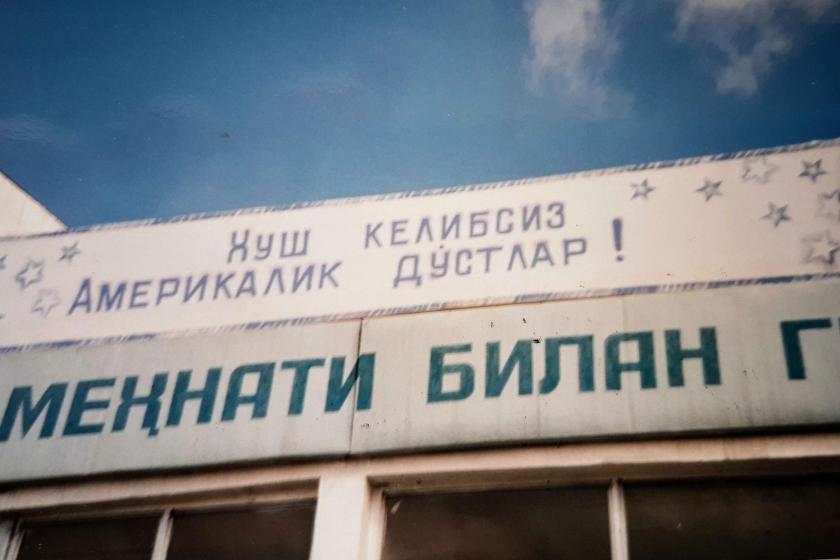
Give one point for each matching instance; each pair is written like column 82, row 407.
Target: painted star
column 70, row 252
column 812, row 170
column 3, row 262
column 32, row 273
column 829, row 205
column 758, row 169
column 641, row 190
column 821, row 248
column 47, row 300
column 710, row 189
column 777, row 214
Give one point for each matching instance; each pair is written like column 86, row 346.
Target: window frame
column 350, row 494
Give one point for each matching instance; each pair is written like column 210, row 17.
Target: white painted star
column 47, row 300
column 829, row 205
column 758, row 169
column 777, row 214
column 812, row 170
column 821, row 247
column 641, row 190
column 32, row 273
column 710, row 189
column 70, row 252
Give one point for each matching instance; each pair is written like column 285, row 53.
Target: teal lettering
column 129, row 399
column 707, row 353
column 437, row 369
column 182, row 393
column 301, row 368
column 644, row 365
column 21, row 401
column 259, row 400
column 586, row 375
column 339, row 388
column 793, row 345
column 80, row 404
column 520, row 358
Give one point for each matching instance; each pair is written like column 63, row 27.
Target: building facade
column 633, row 363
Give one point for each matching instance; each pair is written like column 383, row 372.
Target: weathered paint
column 731, row 366
column 759, row 217
column 97, row 429
column 746, row 358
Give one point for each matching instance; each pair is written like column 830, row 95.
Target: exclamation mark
column 616, row 223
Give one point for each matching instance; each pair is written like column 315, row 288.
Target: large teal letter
column 182, row 393
column 645, row 364
column 521, row 358
column 80, row 404
column 259, row 399
column 793, row 346
column 301, row 368
column 339, row 388
column 437, row 370
column 707, row 352
column 21, row 400
column 586, row 378
column 129, row 399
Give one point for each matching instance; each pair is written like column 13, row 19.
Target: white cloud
column 30, row 129
column 571, row 51
column 750, row 34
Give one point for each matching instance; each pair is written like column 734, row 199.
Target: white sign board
column 177, row 402
column 750, row 218
column 734, row 358
column 747, row 358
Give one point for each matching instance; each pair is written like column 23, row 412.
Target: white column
column 348, row 519
column 164, row 531
column 375, row 526
column 618, row 522
column 9, row 541
column 5, row 537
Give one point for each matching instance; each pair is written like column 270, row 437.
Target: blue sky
column 114, row 111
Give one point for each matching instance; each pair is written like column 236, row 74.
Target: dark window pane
column 277, row 533
column 768, row 519
column 510, row 525
column 105, row 539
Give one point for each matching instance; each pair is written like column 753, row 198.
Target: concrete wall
column 20, row 214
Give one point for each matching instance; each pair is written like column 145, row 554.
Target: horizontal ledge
column 719, row 456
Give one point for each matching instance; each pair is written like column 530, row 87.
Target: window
column 555, row 523
column 778, row 518
column 283, row 532
column 644, row 500
column 271, row 532
column 95, row 539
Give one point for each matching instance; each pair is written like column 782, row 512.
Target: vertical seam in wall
column 354, row 398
